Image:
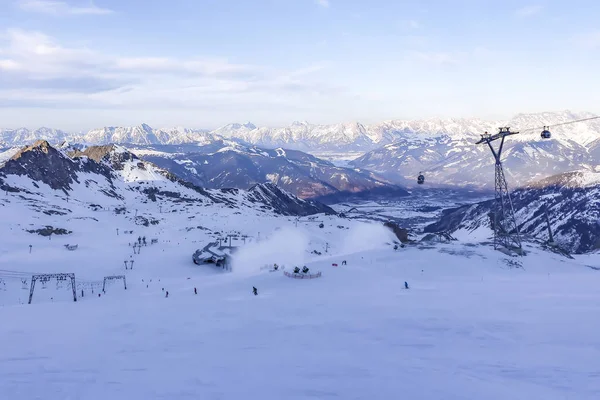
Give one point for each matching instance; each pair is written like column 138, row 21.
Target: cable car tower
column 506, row 230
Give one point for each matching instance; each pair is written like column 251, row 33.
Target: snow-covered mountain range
column 454, row 159
column 444, row 149
column 112, row 175
column 230, row 164
column 306, row 136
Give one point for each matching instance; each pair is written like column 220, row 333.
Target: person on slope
column 254, row 290
column 195, row 291
column 167, row 294
column 405, row 285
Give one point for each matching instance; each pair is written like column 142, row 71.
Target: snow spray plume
column 366, row 236
column 283, row 247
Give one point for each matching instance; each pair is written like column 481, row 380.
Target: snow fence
column 302, row 276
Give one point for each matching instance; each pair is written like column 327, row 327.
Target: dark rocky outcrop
column 50, row 230
column 41, row 162
column 285, row 203
column 401, row 233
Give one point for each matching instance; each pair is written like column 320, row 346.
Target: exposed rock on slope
column 43, row 163
column 227, row 164
column 112, row 171
column 285, row 202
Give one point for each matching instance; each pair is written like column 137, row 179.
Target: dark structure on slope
column 504, row 223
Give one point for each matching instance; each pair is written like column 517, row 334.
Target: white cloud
column 590, row 40
column 61, row 8
column 528, row 11
column 37, row 70
column 322, row 3
column 9, row 65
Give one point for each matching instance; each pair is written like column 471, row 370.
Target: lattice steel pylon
column 46, row 277
column 506, row 230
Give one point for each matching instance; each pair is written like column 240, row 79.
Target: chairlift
column 546, row 133
column 421, row 178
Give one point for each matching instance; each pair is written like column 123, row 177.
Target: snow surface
column 470, row 326
column 6, row 155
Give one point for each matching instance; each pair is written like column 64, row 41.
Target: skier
column 195, row 291
column 144, row 240
column 344, row 262
column 81, row 292
column 254, row 290
column 167, row 295
column 405, row 285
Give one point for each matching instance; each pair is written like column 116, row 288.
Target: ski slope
column 469, row 327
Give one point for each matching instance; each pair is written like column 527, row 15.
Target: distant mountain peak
column 300, row 123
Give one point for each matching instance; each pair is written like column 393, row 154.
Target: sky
column 79, row 64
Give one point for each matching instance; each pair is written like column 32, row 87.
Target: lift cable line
column 545, row 135
column 559, row 124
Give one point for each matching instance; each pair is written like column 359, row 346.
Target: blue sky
column 76, row 64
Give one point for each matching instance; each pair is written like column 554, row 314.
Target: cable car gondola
column 546, row 133
column 421, row 179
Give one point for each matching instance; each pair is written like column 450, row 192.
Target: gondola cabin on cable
column 421, row 178
column 546, row 133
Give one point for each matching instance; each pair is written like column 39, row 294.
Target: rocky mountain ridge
column 114, row 174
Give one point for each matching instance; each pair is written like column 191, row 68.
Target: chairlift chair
column 421, row 178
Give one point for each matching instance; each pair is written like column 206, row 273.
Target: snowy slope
column 572, row 201
column 469, row 327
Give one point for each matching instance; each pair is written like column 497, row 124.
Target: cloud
column 528, row 11
column 49, row 71
column 322, row 3
column 590, row 40
column 53, row 7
